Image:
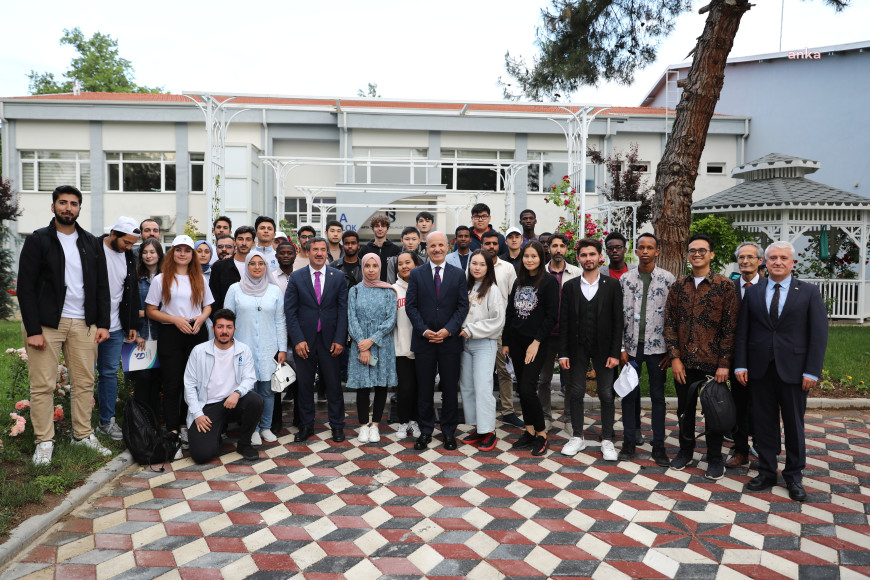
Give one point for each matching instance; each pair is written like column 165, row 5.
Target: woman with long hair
column 371, row 316
column 180, row 300
column 481, row 329
column 406, row 370
column 532, row 308
column 260, row 324
column 148, row 381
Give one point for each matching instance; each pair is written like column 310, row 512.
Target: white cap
column 513, row 230
column 126, row 225
column 183, row 240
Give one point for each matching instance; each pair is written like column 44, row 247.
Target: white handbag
column 283, row 377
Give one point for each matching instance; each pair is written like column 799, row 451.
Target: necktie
column 774, row 304
column 747, row 285
column 437, row 281
column 317, row 294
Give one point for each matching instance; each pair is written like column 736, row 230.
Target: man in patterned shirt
column 700, row 326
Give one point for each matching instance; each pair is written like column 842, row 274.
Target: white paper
column 627, row 381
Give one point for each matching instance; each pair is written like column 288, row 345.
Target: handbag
column 282, row 377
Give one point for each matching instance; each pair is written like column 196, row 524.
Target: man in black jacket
column 228, row 271
column 349, row 262
column 381, row 246
column 63, row 292
column 124, row 316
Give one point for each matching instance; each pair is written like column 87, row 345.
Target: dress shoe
column 338, row 435
column 449, row 442
column 796, row 491
column 248, row 452
column 303, row 435
column 760, row 483
column 737, row 460
column 423, row 442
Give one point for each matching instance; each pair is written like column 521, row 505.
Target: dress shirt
column 322, row 279
column 589, row 290
column 754, row 281
column 783, row 292
column 441, row 272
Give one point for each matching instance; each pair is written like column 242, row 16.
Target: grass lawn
column 848, row 355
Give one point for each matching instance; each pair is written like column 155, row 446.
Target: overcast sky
column 445, row 50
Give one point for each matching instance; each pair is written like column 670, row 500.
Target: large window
column 148, row 172
column 377, row 165
column 474, row 170
column 296, row 212
column 197, row 163
column 45, row 170
column 547, row 168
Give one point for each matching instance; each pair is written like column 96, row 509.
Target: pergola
column 777, row 202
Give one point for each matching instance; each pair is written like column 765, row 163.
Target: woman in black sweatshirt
column 531, row 314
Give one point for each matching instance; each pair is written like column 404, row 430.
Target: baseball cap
column 513, row 230
column 126, row 225
column 183, row 240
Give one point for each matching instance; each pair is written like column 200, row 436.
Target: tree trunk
column 678, row 168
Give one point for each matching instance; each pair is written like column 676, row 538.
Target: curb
column 30, row 531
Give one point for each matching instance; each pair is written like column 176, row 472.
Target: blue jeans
column 108, row 359
column 475, row 383
column 264, row 389
column 631, row 403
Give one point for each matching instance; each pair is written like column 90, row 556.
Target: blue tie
column 437, row 281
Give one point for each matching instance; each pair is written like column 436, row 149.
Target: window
column 147, row 172
column 296, row 211
column 197, row 168
column 715, row 169
column 474, row 170
column 45, row 170
column 547, row 168
column 390, row 165
column 641, row 166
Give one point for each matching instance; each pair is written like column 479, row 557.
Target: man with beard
column 286, row 254
column 150, row 229
column 225, row 273
column 459, row 256
column 349, row 263
column 304, row 234
column 225, row 246
column 218, row 387
column 222, row 226
column 63, row 292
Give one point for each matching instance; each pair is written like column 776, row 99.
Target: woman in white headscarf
column 260, row 324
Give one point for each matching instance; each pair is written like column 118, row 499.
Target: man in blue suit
column 780, row 359
column 315, row 304
column 436, row 304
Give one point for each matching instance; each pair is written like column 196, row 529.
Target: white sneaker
column 574, row 446
column 608, row 450
column 256, row 439
column 178, row 454
column 402, row 431
column 182, row 434
column 92, row 442
column 268, row 436
column 415, row 429
column 374, row 434
column 363, row 436
column 42, row 455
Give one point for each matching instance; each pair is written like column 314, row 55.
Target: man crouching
column 218, row 386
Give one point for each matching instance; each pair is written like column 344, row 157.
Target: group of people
column 383, row 315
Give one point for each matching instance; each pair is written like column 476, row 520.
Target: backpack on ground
column 148, row 442
column 717, row 405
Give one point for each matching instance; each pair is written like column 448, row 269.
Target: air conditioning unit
column 163, row 221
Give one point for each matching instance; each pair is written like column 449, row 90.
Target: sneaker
column 92, row 442
column 660, row 456
column 415, row 429
column 608, row 450
column 255, row 439
column 111, row 429
column 715, row 470
column 540, row 446
column 363, row 436
column 574, row 446
column 248, row 452
column 374, row 434
column 627, row 451
column 682, row 459
column 513, row 419
column 268, row 436
column 178, row 454
column 473, row 438
column 402, row 431
column 182, row 434
column 42, row 455
column 526, row 441
column 488, row 442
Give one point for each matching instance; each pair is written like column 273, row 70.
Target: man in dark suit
column 315, row 304
column 436, row 304
column 780, row 359
column 227, row 272
column 590, row 323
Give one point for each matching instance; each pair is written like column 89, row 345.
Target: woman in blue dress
column 371, row 316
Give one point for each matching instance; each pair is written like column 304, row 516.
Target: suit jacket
column 303, row 311
column 610, row 322
column 428, row 312
column 798, row 340
column 223, row 275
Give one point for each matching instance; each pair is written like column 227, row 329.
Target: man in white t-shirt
column 218, row 387
column 124, row 317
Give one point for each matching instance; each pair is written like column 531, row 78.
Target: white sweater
column 485, row 315
column 403, row 329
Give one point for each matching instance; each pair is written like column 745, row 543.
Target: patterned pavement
column 327, row 510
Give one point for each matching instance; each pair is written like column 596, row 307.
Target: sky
column 447, row 50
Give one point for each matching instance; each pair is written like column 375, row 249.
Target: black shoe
column 338, row 435
column 627, row 451
column 682, row 460
column 473, row 438
column 796, row 491
column 513, row 419
column 488, row 442
column 660, row 456
column 423, row 442
column 540, row 445
column 449, row 442
column 715, row 469
column 526, row 441
column 760, row 483
column 638, row 437
column 249, row 453
column 303, row 435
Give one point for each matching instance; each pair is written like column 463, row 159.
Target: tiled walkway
column 379, row 510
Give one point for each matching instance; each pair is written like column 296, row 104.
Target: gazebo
column 777, row 202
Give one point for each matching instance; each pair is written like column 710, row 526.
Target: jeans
column 108, row 359
column 475, row 383
column 264, row 389
column 631, row 403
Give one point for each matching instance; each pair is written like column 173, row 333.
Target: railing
column 847, row 298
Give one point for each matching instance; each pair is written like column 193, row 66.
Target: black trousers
column 319, row 358
column 173, row 350
column 204, row 446
column 575, row 392
column 406, row 371
column 363, row 400
column 446, row 364
column 771, row 397
column 687, row 412
column 527, row 379
column 743, row 404
column 149, row 384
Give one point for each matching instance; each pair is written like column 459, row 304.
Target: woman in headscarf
column 371, row 316
column 204, row 252
column 260, row 324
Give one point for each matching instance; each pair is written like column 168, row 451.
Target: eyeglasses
column 305, row 237
column 698, row 252
column 481, row 216
column 748, row 258
column 615, row 248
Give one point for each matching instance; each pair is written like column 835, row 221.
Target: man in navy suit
column 780, row 360
column 436, row 304
column 315, row 304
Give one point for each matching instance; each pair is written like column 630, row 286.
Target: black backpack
column 148, row 442
column 717, row 405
